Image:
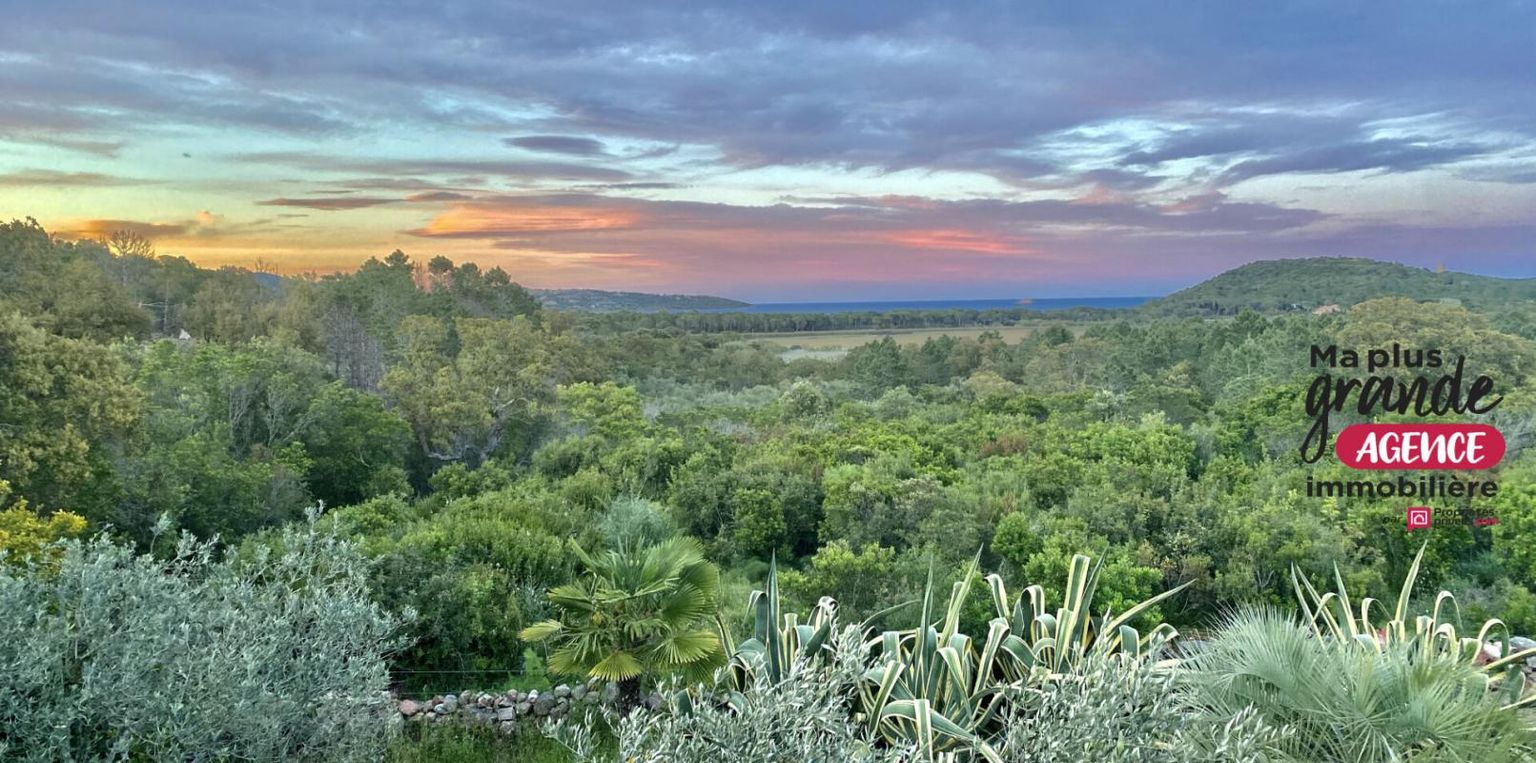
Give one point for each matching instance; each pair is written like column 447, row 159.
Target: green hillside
column 1307, row 284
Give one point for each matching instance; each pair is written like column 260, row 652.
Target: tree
column 64, row 406
column 636, row 614
column 128, row 243
column 465, row 387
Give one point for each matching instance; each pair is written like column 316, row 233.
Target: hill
column 1309, row 284
column 612, row 301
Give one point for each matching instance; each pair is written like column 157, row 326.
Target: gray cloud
column 327, row 204
column 558, row 144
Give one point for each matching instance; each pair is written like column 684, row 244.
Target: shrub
column 1344, row 703
column 120, row 656
column 803, row 717
column 1123, row 709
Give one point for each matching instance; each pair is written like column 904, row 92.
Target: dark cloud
column 1385, row 155
column 330, row 204
column 512, row 171
column 438, row 196
column 41, row 179
column 559, row 144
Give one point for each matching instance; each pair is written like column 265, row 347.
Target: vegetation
column 601, row 301
column 110, row 655
column 522, row 495
column 1307, row 284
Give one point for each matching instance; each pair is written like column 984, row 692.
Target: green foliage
column 936, row 688
column 27, row 537
column 801, row 717
column 1332, row 617
column 117, row 656
column 469, row 571
column 65, row 404
column 1121, row 709
column 635, row 613
column 1335, row 701
column 454, row 743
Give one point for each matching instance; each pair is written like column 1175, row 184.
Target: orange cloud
column 479, row 221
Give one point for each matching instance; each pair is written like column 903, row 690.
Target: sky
column 783, row 151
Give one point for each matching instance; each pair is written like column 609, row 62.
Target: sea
column 1053, row 303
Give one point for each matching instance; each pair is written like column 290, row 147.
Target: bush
column 1338, row 701
column 1124, row 710
column 120, row 656
column 804, row 717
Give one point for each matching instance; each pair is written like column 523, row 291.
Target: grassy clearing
column 824, row 344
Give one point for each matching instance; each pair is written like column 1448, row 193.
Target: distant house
column 1326, row 310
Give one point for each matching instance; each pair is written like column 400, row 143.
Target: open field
column 816, row 342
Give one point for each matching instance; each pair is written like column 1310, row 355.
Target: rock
column 506, row 714
column 1520, row 644
column 409, row 708
column 523, row 708
column 543, row 705
column 505, row 700
column 562, row 691
column 450, row 703
column 578, row 693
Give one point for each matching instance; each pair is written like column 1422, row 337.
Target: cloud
column 99, row 229
column 331, row 204
column 55, row 179
column 438, row 196
column 1384, row 155
column 559, row 144
column 514, row 171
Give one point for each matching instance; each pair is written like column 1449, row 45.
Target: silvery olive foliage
column 805, row 717
column 1126, row 709
column 112, row 655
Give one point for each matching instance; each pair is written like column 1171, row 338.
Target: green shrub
column 1339, row 702
column 1122, row 709
column 803, row 717
column 119, row 656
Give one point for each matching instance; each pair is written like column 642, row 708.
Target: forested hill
column 1309, row 284
column 611, row 301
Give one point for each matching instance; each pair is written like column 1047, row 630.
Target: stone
column 1520, row 644
column 450, row 703
column 562, row 691
column 506, row 714
column 578, row 693
column 543, row 705
column 409, row 708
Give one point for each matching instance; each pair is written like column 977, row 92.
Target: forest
column 251, row 517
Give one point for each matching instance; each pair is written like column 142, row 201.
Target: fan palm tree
column 636, row 613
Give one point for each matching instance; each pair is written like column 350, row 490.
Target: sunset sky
column 777, row 151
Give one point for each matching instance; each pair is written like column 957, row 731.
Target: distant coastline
column 884, row 306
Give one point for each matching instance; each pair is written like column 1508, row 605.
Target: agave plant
column 780, row 643
column 1331, row 615
column 935, row 690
